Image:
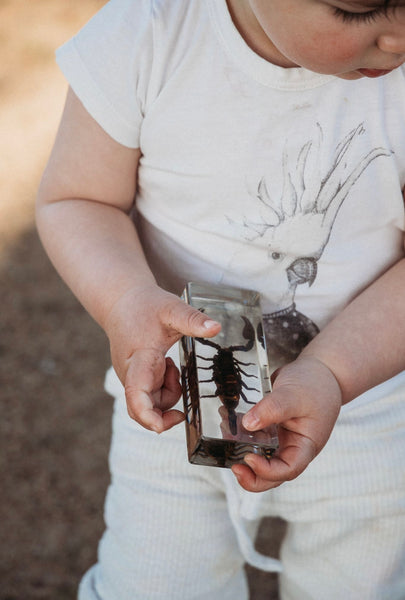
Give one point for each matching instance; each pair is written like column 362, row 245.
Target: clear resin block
column 224, row 376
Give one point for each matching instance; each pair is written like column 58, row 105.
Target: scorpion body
column 227, row 373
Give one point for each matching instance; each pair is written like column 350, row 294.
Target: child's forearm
column 96, row 250
column 85, row 195
column 365, row 344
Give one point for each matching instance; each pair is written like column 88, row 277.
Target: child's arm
column 362, row 347
column 86, row 193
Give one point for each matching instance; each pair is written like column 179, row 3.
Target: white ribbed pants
column 176, row 531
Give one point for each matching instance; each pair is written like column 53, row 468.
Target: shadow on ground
column 55, row 429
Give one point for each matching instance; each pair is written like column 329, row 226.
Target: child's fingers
column 303, row 389
column 276, row 407
column 187, row 320
column 170, row 392
column 141, row 408
column 171, row 418
column 151, row 388
column 266, row 474
column 250, row 481
column 169, row 395
column 290, row 462
column 305, row 403
column 145, row 377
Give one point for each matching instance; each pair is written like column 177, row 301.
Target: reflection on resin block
column 224, row 376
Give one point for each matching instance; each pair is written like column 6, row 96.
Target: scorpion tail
column 248, row 333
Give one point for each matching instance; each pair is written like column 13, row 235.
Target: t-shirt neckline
column 257, row 67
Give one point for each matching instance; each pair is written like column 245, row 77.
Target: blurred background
column 55, row 416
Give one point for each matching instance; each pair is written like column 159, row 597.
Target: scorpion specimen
column 227, row 373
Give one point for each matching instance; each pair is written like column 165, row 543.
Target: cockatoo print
column 296, row 227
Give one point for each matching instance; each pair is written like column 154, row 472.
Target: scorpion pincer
column 227, row 373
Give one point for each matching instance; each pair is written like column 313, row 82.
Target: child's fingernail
column 251, row 421
column 209, row 324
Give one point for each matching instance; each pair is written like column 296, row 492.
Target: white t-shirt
column 280, row 180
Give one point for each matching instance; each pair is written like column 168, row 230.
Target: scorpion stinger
column 227, row 373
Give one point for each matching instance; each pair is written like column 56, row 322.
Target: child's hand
column 305, row 402
column 141, row 327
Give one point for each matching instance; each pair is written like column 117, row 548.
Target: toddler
column 261, row 144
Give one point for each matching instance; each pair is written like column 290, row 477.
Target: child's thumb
column 189, row 321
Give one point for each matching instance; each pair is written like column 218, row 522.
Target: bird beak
column 302, row 270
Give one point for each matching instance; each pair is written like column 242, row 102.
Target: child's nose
column 393, row 43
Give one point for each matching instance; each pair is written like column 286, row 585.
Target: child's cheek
column 331, row 53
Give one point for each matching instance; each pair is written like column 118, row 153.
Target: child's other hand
column 141, row 328
column 305, row 402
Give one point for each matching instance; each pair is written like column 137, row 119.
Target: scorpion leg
column 249, row 388
column 204, row 358
column 245, row 364
column 247, row 374
column 208, row 343
column 245, row 399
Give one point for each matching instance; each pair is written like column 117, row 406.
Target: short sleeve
column 108, row 63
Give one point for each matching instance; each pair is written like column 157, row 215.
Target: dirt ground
column 55, row 424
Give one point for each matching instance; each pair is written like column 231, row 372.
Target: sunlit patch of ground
column 32, row 91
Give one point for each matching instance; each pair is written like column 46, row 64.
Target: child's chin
column 351, row 75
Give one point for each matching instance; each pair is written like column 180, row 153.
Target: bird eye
column 275, row 255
